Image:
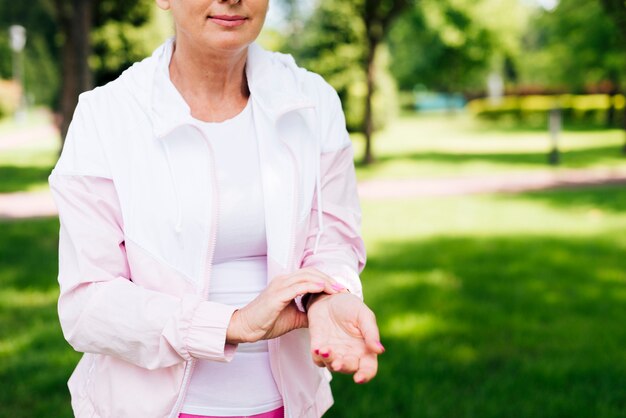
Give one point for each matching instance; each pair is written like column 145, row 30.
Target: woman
column 200, row 195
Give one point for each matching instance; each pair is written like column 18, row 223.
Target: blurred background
column 490, row 140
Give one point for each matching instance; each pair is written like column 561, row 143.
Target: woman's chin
column 228, row 41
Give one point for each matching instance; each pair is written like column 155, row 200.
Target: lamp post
column 17, row 35
column 554, row 123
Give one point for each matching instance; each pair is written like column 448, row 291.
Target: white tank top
column 244, row 386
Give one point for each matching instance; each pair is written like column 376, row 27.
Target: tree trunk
column 76, row 78
column 611, row 113
column 368, row 120
column 624, row 125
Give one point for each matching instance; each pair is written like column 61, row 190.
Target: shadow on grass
column 604, row 198
column 538, row 126
column 569, row 159
column 503, row 327
column 35, row 360
column 16, row 179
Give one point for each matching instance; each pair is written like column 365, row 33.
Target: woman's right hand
column 273, row 312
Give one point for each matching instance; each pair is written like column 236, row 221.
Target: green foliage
column 40, row 52
column 117, row 44
column 124, row 32
column 452, row 45
column 576, row 45
column 334, row 45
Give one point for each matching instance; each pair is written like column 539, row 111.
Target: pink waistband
column 276, row 413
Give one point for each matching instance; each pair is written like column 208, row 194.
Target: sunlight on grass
column 529, row 214
column 12, row 298
column 443, row 146
column 34, row 117
column 412, row 325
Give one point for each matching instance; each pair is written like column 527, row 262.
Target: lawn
column 497, row 306
column 458, row 145
column 489, row 306
column 26, row 166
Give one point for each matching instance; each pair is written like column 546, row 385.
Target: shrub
column 590, row 109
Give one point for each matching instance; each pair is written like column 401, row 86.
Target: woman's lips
column 228, row 21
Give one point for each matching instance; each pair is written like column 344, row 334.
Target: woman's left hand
column 344, row 336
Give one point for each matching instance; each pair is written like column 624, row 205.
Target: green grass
column 496, row 306
column 489, row 306
column 26, row 167
column 35, row 361
column 457, row 145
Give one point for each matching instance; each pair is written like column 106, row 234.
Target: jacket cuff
column 206, row 338
column 343, row 275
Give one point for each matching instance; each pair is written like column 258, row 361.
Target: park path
column 40, row 204
column 496, row 183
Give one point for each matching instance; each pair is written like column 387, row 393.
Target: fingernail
column 321, row 284
column 317, row 352
column 325, row 355
column 360, row 382
column 338, row 287
column 382, row 347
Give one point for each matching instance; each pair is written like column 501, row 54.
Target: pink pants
column 276, row 413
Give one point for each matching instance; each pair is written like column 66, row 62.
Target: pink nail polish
column 360, row 382
column 325, row 355
column 321, row 284
column 381, row 346
column 338, row 287
column 317, row 352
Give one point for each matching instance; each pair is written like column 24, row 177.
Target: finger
column 368, row 367
column 336, row 365
column 325, row 355
column 288, row 294
column 318, row 363
column 312, row 275
column 350, row 364
column 345, row 364
column 369, row 330
column 307, row 275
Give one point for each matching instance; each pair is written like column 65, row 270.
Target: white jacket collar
column 272, row 80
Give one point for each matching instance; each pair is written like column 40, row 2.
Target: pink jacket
column 136, row 191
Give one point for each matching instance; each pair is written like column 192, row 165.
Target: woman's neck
column 213, row 83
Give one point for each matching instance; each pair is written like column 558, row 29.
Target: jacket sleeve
column 101, row 309
column 341, row 251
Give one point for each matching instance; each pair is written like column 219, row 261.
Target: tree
column 342, row 42
column 616, row 9
column 76, row 20
column 61, row 45
column 377, row 15
column 450, row 45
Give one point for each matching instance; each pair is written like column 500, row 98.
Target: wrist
column 314, row 298
column 310, row 298
column 234, row 334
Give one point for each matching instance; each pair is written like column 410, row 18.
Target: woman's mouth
column 228, row 21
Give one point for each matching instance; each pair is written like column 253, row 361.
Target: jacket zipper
column 190, row 365
column 290, row 259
